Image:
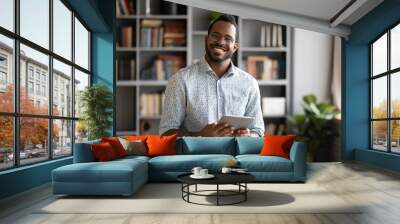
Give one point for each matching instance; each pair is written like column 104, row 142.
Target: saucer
column 208, row 176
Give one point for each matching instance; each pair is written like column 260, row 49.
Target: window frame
column 388, row 74
column 16, row 115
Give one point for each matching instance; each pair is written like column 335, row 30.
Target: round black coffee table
column 238, row 179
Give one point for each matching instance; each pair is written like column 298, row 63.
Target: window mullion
column 50, row 81
column 371, row 89
column 389, row 76
column 73, row 82
column 16, row 69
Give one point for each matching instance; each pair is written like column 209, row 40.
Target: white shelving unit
column 129, row 119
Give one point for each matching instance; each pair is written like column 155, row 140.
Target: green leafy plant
column 214, row 15
column 96, row 102
column 315, row 126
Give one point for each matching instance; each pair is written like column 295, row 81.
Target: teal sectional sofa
column 125, row 176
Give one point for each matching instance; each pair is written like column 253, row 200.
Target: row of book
column 125, row 7
column 127, row 36
column 163, row 67
column 126, row 69
column 158, row 33
column 164, row 8
column 273, row 106
column 262, row 67
column 271, row 35
column 275, row 128
column 151, row 104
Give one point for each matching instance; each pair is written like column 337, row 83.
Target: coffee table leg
column 245, row 191
column 196, row 188
column 188, row 189
column 217, row 194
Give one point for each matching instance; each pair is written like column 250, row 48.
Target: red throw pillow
column 116, row 145
column 136, row 137
column 103, row 151
column 161, row 145
column 277, row 145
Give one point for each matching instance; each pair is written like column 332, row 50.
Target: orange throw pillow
column 116, row 145
column 136, row 137
column 277, row 145
column 103, row 151
column 161, row 145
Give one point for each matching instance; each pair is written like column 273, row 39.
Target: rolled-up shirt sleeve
column 253, row 109
column 174, row 104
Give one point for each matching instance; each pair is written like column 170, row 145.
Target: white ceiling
column 315, row 15
column 320, row 9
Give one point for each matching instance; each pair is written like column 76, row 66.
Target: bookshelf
column 135, row 87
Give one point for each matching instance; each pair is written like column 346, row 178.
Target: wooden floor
column 378, row 188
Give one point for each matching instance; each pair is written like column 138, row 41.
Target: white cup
column 196, row 170
column 203, row 172
column 226, row 170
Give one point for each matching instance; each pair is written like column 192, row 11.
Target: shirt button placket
column 219, row 100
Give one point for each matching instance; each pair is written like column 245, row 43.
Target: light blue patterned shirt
column 195, row 96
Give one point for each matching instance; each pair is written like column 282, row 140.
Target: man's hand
column 216, row 130
column 242, row 133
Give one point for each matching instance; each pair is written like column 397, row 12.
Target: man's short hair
column 226, row 18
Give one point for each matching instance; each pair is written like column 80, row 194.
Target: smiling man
column 198, row 96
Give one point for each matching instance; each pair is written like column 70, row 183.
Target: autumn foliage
column 380, row 127
column 33, row 131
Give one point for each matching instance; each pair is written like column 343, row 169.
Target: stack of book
column 151, row 104
column 125, row 7
column 271, row 35
column 126, row 69
column 163, row 67
column 275, row 129
column 127, row 38
column 151, row 33
column 262, row 67
column 273, row 106
column 174, row 33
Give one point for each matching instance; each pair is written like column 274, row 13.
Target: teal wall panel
column 377, row 158
column 24, row 178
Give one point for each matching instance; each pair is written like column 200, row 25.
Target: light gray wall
column 312, row 60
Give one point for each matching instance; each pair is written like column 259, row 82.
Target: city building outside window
column 57, row 129
column 30, row 87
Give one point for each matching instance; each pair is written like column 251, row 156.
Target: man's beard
column 214, row 59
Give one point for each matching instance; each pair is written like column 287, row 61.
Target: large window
column 385, row 91
column 44, row 64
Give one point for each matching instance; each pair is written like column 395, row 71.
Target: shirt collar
column 205, row 68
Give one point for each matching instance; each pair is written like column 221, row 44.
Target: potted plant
column 316, row 126
column 96, row 102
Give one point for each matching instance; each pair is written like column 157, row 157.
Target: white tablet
column 238, row 122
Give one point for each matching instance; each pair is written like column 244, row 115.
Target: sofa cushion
column 206, row 145
column 111, row 171
column 136, row 137
column 133, row 158
column 248, row 145
column 257, row 163
column 161, row 145
column 103, row 152
column 116, row 145
column 134, row 147
column 185, row 163
column 277, row 145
